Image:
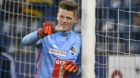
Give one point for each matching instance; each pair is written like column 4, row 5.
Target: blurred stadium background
column 117, row 36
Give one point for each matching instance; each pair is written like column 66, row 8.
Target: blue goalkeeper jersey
column 54, row 50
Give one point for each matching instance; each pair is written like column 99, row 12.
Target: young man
column 59, row 53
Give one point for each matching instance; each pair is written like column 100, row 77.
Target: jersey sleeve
column 31, row 39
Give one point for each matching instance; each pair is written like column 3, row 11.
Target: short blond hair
column 69, row 5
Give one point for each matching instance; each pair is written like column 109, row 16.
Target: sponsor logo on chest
column 57, row 52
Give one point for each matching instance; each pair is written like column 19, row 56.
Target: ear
column 75, row 19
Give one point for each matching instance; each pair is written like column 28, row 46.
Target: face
column 66, row 19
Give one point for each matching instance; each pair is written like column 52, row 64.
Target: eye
column 61, row 16
column 68, row 18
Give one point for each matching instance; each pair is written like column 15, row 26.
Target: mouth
column 64, row 26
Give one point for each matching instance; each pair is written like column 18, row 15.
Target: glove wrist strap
column 40, row 33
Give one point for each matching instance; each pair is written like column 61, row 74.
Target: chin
column 65, row 30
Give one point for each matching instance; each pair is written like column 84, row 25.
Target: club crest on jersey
column 73, row 51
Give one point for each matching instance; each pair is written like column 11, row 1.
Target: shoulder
column 78, row 35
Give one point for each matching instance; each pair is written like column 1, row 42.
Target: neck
column 64, row 33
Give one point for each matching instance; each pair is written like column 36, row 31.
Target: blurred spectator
column 1, row 3
column 136, row 23
column 115, row 3
column 40, row 1
column 123, row 25
column 99, row 3
column 108, row 25
column 4, row 67
column 137, row 2
column 7, row 66
column 136, row 26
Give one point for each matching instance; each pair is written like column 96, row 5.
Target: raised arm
column 47, row 29
column 30, row 39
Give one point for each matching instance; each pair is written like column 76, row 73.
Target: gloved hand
column 71, row 67
column 47, row 29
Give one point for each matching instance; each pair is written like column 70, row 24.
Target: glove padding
column 71, row 67
column 47, row 29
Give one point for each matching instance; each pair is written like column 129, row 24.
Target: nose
column 64, row 19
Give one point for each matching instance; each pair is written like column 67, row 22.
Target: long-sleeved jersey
column 53, row 51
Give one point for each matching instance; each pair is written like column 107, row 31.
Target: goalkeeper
column 59, row 53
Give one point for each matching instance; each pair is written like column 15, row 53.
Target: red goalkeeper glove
column 47, row 29
column 71, row 67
